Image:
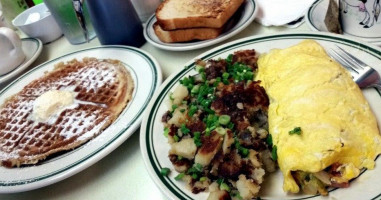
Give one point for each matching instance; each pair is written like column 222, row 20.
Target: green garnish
column 171, row 96
column 242, row 150
column 195, row 89
column 269, row 140
column 194, row 176
column 202, row 179
column 197, row 138
column 184, row 129
column 220, row 130
column 192, row 110
column 174, row 106
column 176, row 138
column 224, row 119
column 274, row 155
column 224, row 186
column 166, row 131
column 165, row 171
column 296, row 130
column 229, row 59
column 199, row 68
column 182, row 110
column 179, row 176
column 179, row 157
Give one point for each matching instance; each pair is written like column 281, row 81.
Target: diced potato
column 209, row 149
column 247, row 188
column 185, row 148
column 178, row 117
column 258, row 174
column 218, row 195
column 179, row 94
column 228, row 141
column 253, row 158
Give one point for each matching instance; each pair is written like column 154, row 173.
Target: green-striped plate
column 155, row 148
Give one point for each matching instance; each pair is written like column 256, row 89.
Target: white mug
column 361, row 17
column 11, row 53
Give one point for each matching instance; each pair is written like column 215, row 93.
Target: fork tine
column 353, row 58
column 350, row 62
column 344, row 62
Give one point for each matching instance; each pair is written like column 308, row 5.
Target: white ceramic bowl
column 40, row 24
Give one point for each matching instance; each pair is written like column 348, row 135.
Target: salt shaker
column 116, row 22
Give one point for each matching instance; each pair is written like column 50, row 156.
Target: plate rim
column 311, row 24
column 26, row 63
column 205, row 43
column 147, row 122
column 99, row 153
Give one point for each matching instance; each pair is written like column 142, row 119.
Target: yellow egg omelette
column 336, row 131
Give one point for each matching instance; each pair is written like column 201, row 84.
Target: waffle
column 101, row 90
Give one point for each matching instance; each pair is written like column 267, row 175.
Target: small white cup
column 361, row 19
column 11, row 53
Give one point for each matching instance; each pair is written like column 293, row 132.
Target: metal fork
column 364, row 75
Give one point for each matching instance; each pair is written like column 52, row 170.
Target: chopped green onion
column 224, row 186
column 199, row 68
column 274, row 155
column 197, row 138
column 231, row 125
column 192, row 110
column 182, row 110
column 224, row 119
column 179, row 157
column 229, row 59
column 165, row 171
column 179, row 176
column 171, row 96
column 221, row 130
column 225, row 75
column 174, row 106
column 220, row 181
column 166, row 131
column 296, row 130
column 184, row 129
column 194, row 176
column 195, row 89
column 242, row 150
column 202, row 179
column 269, row 140
column 176, row 138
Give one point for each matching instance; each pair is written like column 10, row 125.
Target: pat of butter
column 49, row 103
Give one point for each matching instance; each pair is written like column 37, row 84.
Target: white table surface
column 121, row 174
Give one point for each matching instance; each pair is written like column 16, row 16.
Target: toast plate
column 315, row 20
column 239, row 21
column 32, row 48
column 154, row 145
column 147, row 77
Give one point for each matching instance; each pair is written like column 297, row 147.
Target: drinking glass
column 64, row 13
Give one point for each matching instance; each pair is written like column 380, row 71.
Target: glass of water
column 64, row 13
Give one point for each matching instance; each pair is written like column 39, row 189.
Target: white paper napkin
column 281, row 12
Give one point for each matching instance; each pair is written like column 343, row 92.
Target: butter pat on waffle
column 62, row 110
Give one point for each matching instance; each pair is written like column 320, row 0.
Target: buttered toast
column 181, row 14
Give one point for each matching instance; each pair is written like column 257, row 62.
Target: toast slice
column 332, row 18
column 184, row 35
column 180, row 14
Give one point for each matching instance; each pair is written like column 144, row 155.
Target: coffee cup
column 361, row 18
column 11, row 53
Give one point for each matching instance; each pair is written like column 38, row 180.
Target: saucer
column 315, row 20
column 32, row 48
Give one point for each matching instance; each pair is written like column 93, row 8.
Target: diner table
column 122, row 174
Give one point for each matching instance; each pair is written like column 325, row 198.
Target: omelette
column 321, row 125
